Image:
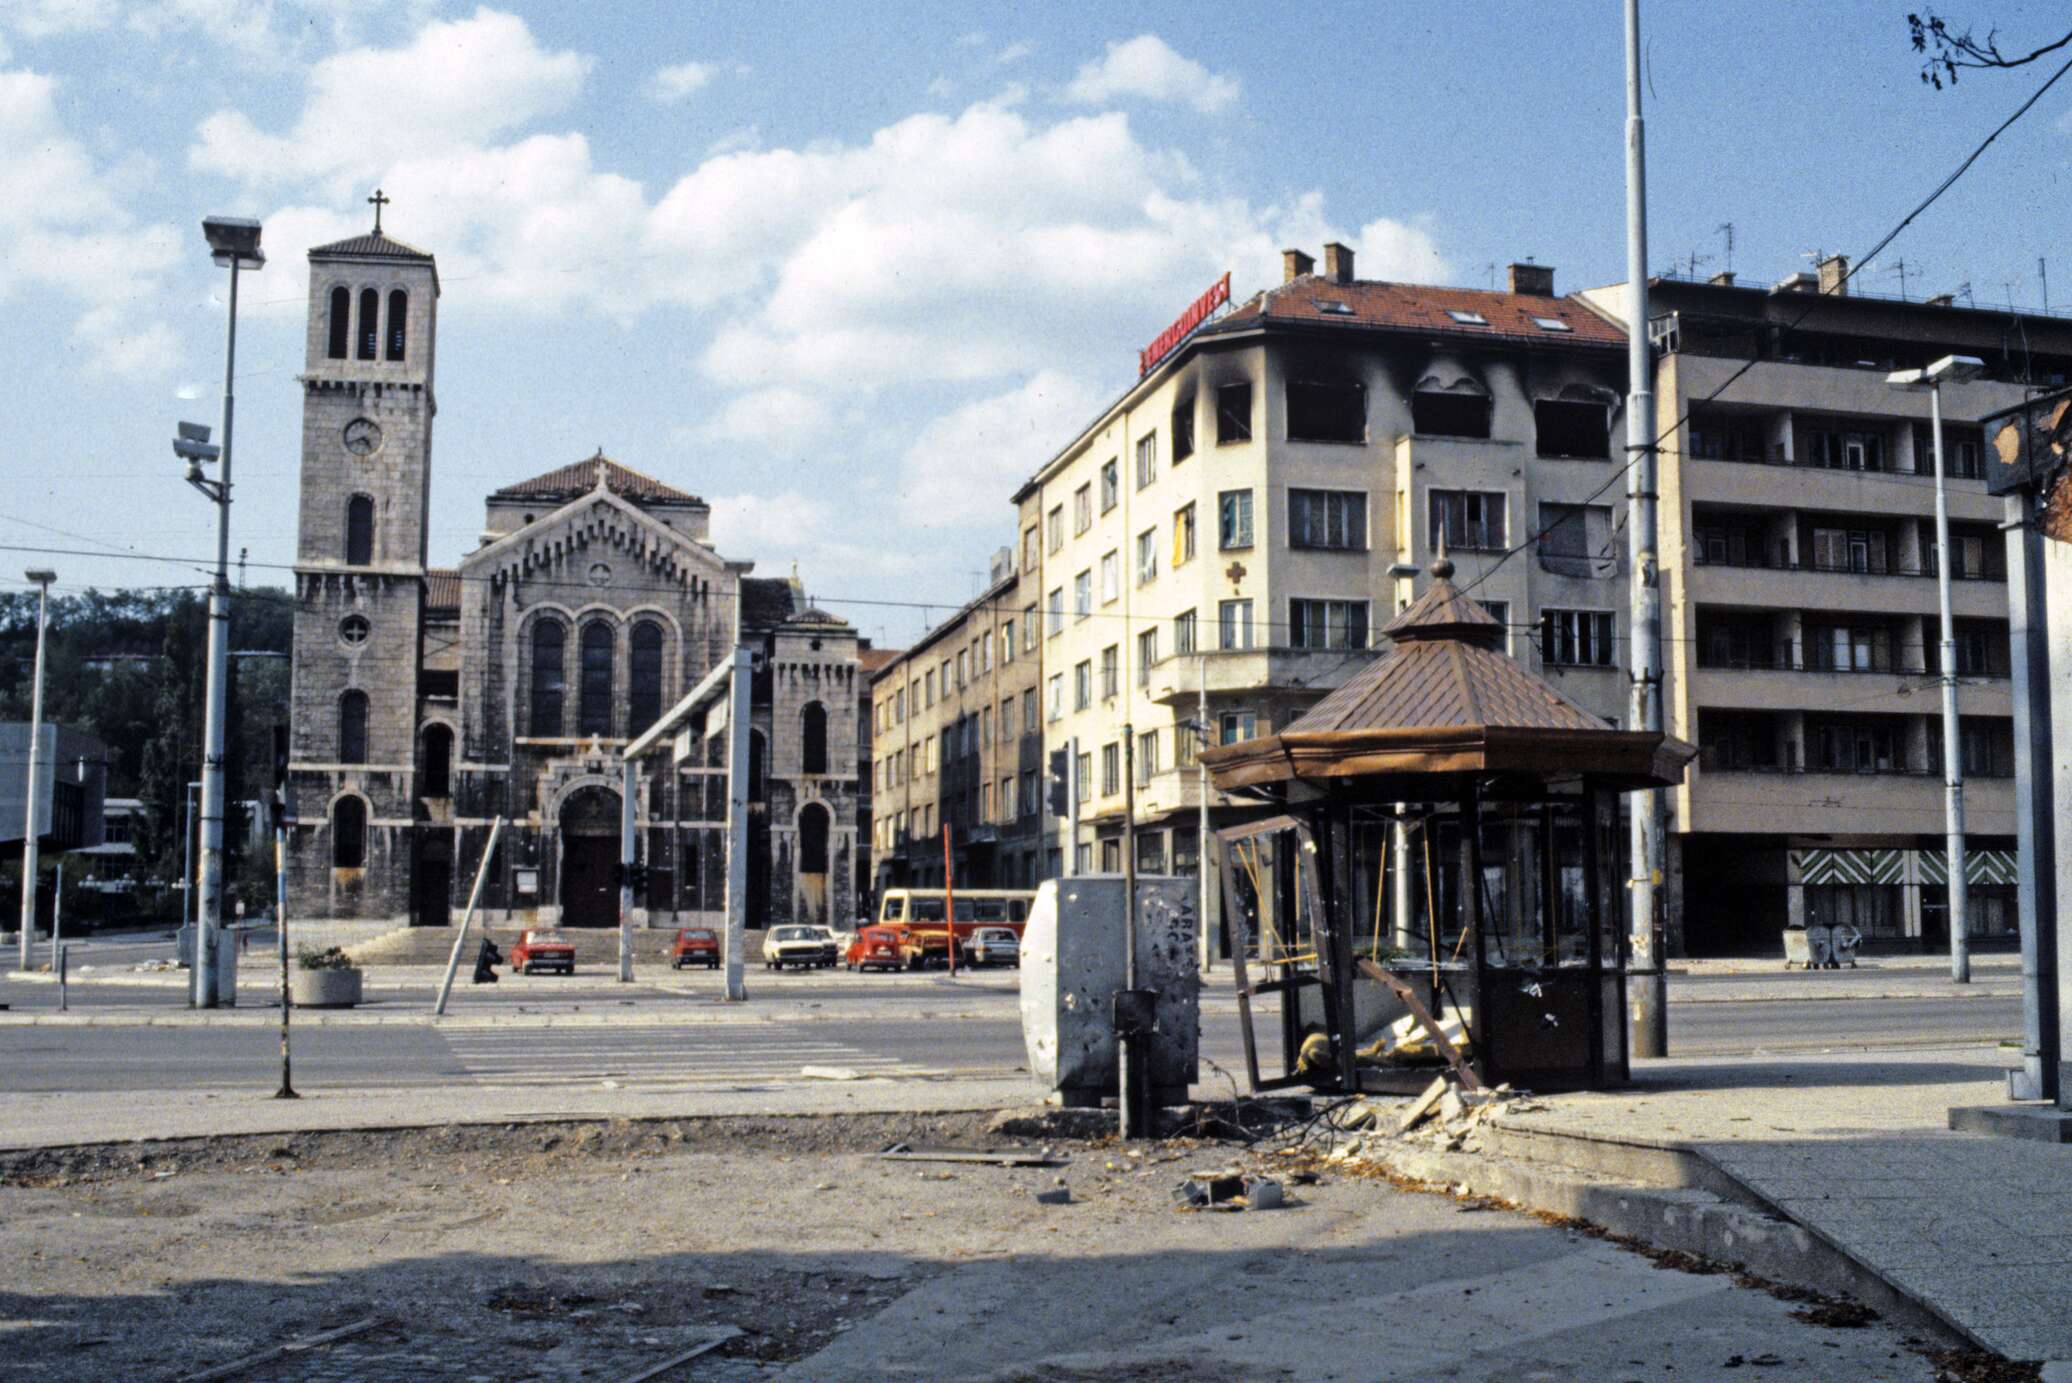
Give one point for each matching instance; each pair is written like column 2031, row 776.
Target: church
column 428, row 702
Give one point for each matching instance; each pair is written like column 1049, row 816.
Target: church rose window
column 352, row 728
column 813, row 839
column 398, row 319
column 370, row 322
column 548, row 679
column 644, row 702
column 359, row 531
column 349, row 834
column 814, row 737
column 340, row 326
column 353, row 629
column 594, row 713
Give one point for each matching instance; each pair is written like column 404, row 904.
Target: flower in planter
column 331, row 959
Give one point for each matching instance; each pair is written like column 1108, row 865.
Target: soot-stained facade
column 428, row 702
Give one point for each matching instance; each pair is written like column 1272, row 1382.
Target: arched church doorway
column 589, row 849
column 813, row 830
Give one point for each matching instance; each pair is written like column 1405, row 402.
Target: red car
column 876, row 948
column 695, row 946
column 543, row 951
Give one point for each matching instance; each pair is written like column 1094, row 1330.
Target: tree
column 1945, row 51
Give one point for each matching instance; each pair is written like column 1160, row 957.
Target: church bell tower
column 367, row 409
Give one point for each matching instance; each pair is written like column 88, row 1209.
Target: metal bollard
column 64, row 996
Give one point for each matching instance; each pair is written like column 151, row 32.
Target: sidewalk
column 1856, row 1148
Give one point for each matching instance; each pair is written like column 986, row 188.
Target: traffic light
column 638, row 876
column 1057, row 784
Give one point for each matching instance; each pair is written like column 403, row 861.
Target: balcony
column 1175, row 681
column 1786, row 679
column 1774, row 482
column 1804, row 585
column 1796, row 801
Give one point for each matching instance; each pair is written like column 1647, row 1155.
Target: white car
column 806, row 947
column 993, row 946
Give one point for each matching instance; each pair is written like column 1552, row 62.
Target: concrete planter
column 324, row 988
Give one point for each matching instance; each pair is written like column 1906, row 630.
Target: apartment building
column 1801, row 633
column 956, row 743
column 1239, row 523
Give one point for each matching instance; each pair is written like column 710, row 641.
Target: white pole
column 209, row 988
column 628, row 785
column 1646, row 987
column 453, row 957
column 738, row 711
column 1201, row 830
column 1953, row 759
column 1068, row 861
column 32, row 815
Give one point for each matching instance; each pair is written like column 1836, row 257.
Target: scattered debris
column 1056, row 1195
column 718, row 1337
column 1228, row 1190
column 286, row 1351
column 830, row 1073
column 1000, row 1157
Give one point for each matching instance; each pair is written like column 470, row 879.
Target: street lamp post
column 234, row 244
column 32, row 819
column 1931, row 378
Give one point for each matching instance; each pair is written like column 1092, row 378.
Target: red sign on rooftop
column 1197, row 313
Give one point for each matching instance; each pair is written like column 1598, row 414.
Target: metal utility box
column 1072, row 965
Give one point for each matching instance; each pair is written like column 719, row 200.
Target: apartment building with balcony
column 956, row 743
column 1245, row 517
column 1801, row 629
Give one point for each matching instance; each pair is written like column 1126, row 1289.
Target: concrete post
column 32, row 815
column 2035, row 832
column 1953, row 758
column 215, row 983
column 628, row 786
column 738, row 712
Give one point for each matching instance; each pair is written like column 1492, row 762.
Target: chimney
column 1943, row 300
column 1338, row 262
column 1294, row 264
column 1534, row 279
column 1723, row 279
column 1834, row 274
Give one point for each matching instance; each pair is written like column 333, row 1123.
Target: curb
column 313, row 1018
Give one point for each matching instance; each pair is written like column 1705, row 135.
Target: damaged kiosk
column 1432, row 876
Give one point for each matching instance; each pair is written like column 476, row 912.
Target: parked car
column 875, row 948
column 695, row 946
column 924, row 949
column 543, row 951
column 991, row 946
column 805, row 947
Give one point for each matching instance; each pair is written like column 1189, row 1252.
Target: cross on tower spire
column 377, row 201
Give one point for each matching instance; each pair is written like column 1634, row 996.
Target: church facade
column 428, row 703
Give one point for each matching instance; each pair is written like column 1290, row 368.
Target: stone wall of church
column 813, row 665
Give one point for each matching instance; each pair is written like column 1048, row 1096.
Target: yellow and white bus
column 976, row 907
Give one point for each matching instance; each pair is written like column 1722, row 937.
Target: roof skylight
column 1467, row 319
column 1552, row 324
column 1332, row 307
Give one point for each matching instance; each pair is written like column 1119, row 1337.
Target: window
column 982, row 653
column 1031, row 556
column 359, row 531
column 352, row 728
column 1007, row 641
column 1082, row 595
column 1329, row 519
column 1008, row 799
column 1147, row 757
column 1234, row 519
column 985, row 725
column 1147, row 655
column 1083, row 775
column 1234, row 624
column 1147, row 557
column 1551, row 324
column 1972, row 653
column 1338, row 624
column 1111, row 576
column 1327, row 410
column 1436, row 414
column 1111, row 485
column 1845, row 747
column 1029, row 622
column 340, row 327
column 1576, row 539
column 1083, row 685
column 1576, row 638
column 549, row 679
column 354, row 629
column 1054, row 528
column 1960, row 454
column 1007, row 718
column 1183, row 429
column 1845, row 451
column 1111, row 671
column 946, row 679
column 928, row 688
column 594, row 706
column 963, row 667
column 1851, row 549
column 1183, row 535
column 1970, row 563
column 1572, row 428
column 349, row 833
column 1471, row 520
column 398, row 319
column 1183, row 632
column 1029, row 711
column 1111, row 856
column 813, row 738
column 644, row 682
column 370, row 323
column 813, row 823
column 1057, row 611
column 1234, row 413
column 1186, row 744
column 1234, row 727
column 1055, row 695
column 1147, row 459
column 1467, row 319
column 1500, row 611
column 1111, row 769
column 1083, row 508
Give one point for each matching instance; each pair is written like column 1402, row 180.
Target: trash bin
column 1843, row 943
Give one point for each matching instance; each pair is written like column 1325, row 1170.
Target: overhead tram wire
column 1856, row 267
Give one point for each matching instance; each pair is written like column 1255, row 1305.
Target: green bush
column 332, row 959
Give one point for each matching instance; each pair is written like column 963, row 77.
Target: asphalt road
column 879, row 1041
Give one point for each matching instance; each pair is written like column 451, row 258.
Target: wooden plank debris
column 720, row 1337
column 286, row 1351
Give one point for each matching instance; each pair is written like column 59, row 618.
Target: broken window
column 1183, row 535
column 1111, row 485
column 1234, row 413
column 1468, row 519
column 1327, row 410
column 349, row 833
column 1576, row 638
column 1320, row 624
column 1183, row 429
column 1333, row 519
column 1234, row 519
column 1436, row 414
column 1234, row 624
column 1573, row 428
column 813, row 738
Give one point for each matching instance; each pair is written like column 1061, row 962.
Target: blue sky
column 852, row 271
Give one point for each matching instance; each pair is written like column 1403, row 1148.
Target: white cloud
column 1013, row 53
column 963, row 465
column 775, row 420
column 1147, row 68
column 43, row 18
column 671, row 85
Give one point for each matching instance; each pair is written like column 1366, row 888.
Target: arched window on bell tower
column 359, row 531
column 398, row 321
column 814, row 738
column 352, row 728
column 370, row 322
column 349, row 833
column 340, row 326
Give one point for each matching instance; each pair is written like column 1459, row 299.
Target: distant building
column 72, row 781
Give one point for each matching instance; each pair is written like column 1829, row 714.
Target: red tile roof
column 1419, row 308
column 442, row 589
column 875, row 660
column 572, row 481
